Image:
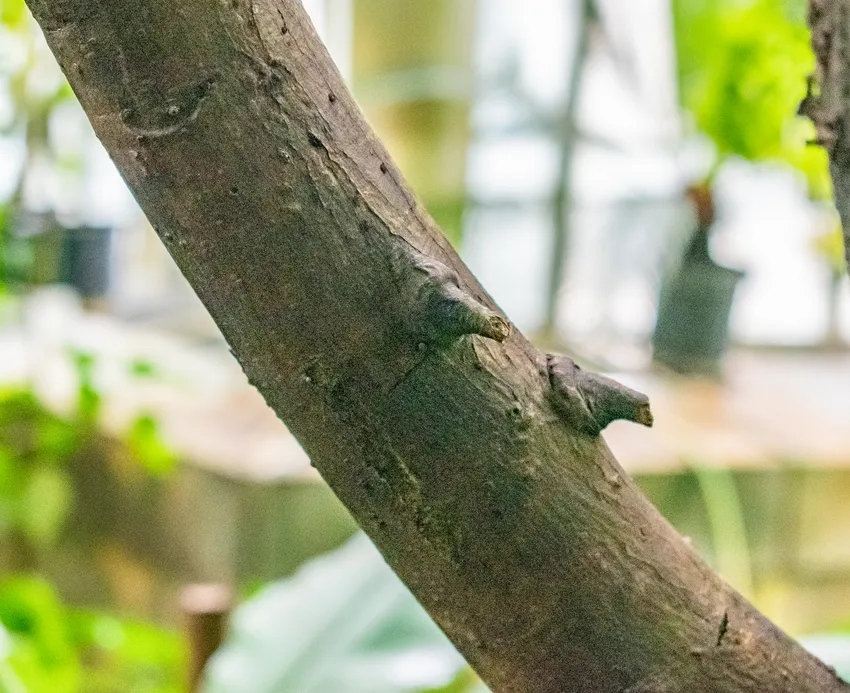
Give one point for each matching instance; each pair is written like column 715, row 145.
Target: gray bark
column 471, row 459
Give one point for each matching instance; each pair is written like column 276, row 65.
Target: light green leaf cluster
column 46, row 647
column 743, row 69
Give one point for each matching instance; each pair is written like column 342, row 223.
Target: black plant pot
column 38, row 251
column 692, row 330
column 85, row 260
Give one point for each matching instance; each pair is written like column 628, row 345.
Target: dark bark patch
column 507, row 494
column 318, row 374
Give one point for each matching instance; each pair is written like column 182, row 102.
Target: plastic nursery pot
column 85, row 260
column 691, row 333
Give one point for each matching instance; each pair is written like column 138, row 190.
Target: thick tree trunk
column 471, row 459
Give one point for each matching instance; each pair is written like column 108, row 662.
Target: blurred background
column 631, row 183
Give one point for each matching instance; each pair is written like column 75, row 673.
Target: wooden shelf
column 772, row 408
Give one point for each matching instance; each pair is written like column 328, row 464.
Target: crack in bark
column 724, row 627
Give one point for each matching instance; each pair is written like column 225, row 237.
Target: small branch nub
column 591, row 401
column 446, row 312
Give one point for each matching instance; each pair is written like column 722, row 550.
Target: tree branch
column 827, row 101
column 445, row 433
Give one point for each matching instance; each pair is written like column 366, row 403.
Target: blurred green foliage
column 742, row 70
column 32, row 90
column 38, row 652
column 35, row 489
column 32, row 81
column 36, row 446
column 46, row 647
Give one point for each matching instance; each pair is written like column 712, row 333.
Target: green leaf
column 88, row 398
column 142, row 368
column 47, row 648
column 39, row 652
column 16, row 406
column 146, row 445
column 344, row 622
column 13, row 13
column 45, row 504
column 55, row 439
column 128, row 656
column 742, row 69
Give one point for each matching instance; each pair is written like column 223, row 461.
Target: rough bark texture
column 828, row 100
column 471, row 459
